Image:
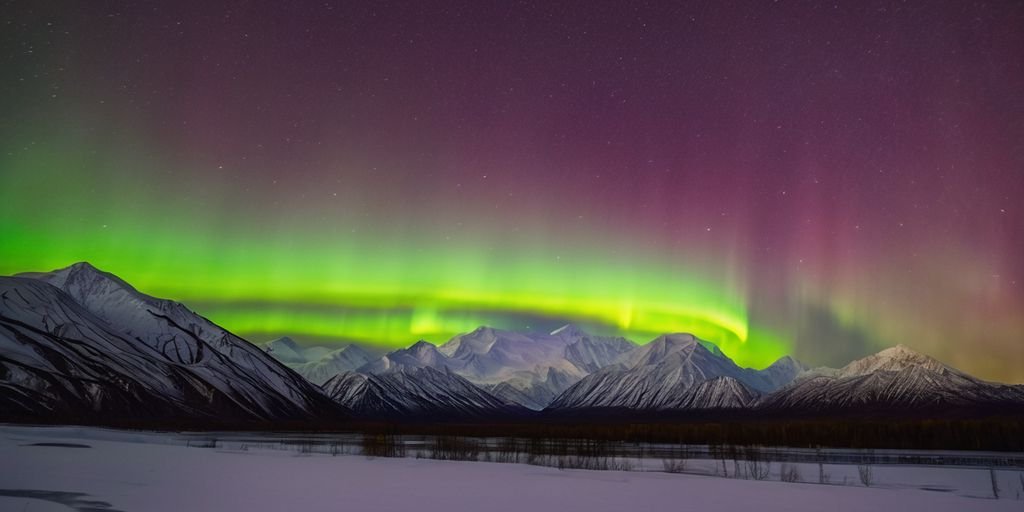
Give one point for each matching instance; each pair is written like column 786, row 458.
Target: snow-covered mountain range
column 895, row 378
column 79, row 344
column 570, row 370
column 675, row 371
column 529, row 369
column 423, row 392
column 317, row 364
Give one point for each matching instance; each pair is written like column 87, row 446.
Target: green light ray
column 406, row 284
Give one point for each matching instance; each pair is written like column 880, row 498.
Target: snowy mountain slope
column 408, row 391
column 678, row 372
column 289, row 352
column 490, row 355
column 665, row 373
column 338, row 361
column 419, row 355
column 533, row 389
column 894, row 378
column 718, row 393
column 179, row 337
column 782, row 372
column 529, row 398
column 892, row 359
column 529, row 369
column 286, row 350
column 591, row 353
column 316, row 364
column 59, row 361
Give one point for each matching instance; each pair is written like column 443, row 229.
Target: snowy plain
column 70, row 468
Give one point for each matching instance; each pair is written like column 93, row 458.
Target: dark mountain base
column 185, row 424
column 1002, row 433
column 874, row 412
column 991, row 433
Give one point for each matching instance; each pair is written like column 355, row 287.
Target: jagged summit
column 897, row 358
column 592, row 353
column 479, row 340
column 422, row 345
column 284, row 340
column 787, row 364
column 320, row 369
column 285, row 350
column 83, row 275
column 676, row 339
column 80, row 266
column 283, row 343
column 675, row 342
column 419, row 355
column 661, row 347
column 901, row 351
column 783, row 372
column 74, row 268
column 787, row 361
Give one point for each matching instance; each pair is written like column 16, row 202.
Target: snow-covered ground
column 94, row 469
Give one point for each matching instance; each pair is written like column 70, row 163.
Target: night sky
column 821, row 179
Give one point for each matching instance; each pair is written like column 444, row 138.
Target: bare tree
column 677, row 462
column 757, row 468
column 866, row 474
column 674, row 465
column 789, row 473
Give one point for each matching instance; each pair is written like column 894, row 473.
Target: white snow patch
column 147, row 471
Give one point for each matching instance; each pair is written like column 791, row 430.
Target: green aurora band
column 378, row 288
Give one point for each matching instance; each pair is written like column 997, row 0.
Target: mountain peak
column 354, row 348
column 80, row 266
column 85, row 282
column 894, row 358
column 666, row 345
column 353, row 351
column 901, row 352
column 284, row 340
column 422, row 346
column 478, row 341
column 87, row 269
column 673, row 340
column 787, row 362
column 285, row 350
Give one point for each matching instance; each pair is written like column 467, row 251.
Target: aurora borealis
column 820, row 179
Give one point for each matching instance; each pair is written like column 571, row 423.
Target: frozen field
column 94, row 469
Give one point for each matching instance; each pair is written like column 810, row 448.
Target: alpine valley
column 79, row 345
